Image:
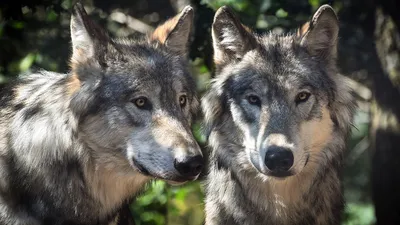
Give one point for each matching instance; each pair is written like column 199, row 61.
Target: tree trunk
column 370, row 53
column 385, row 126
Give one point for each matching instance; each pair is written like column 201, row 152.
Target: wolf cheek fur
column 277, row 116
column 75, row 147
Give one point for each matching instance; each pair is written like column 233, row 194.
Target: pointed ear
column 320, row 35
column 175, row 33
column 231, row 39
column 85, row 36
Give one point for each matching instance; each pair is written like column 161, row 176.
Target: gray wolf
column 76, row 147
column 277, row 116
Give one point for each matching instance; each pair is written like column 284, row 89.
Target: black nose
column 189, row 167
column 279, row 159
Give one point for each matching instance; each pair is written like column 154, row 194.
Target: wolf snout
column 190, row 166
column 279, row 160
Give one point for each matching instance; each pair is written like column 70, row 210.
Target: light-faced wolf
column 76, row 147
column 277, row 116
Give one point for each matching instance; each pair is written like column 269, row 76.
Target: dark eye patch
column 237, row 86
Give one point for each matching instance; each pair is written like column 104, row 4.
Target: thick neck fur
column 110, row 186
column 43, row 149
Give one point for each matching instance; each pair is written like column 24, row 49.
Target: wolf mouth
column 140, row 168
column 308, row 157
column 281, row 175
column 175, row 180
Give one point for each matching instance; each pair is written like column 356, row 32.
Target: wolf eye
column 302, row 97
column 254, row 100
column 182, row 100
column 141, row 102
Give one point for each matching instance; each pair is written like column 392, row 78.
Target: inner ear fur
column 175, row 32
column 320, row 34
column 89, row 45
column 86, row 36
column 231, row 39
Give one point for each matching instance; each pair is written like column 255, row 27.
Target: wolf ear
column 231, row 39
column 320, row 35
column 175, row 32
column 85, row 36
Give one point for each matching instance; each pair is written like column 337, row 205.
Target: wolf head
column 135, row 100
column 281, row 92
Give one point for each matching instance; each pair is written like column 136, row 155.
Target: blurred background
column 35, row 34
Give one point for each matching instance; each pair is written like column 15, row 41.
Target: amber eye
column 140, row 102
column 182, row 100
column 302, row 97
column 254, row 100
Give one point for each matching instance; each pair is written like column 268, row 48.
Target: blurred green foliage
column 164, row 204
column 35, row 34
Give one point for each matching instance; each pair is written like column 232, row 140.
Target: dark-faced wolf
column 76, row 147
column 277, row 116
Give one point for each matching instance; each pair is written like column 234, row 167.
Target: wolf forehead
column 127, row 56
column 138, row 63
column 277, row 63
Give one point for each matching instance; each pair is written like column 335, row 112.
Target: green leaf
column 27, row 62
column 239, row 5
column 314, row 4
column 181, row 194
column 17, row 24
column 359, row 214
column 52, row 16
column 281, row 13
column 197, row 132
column 66, row 4
column 204, row 69
column 266, row 4
column 3, row 79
